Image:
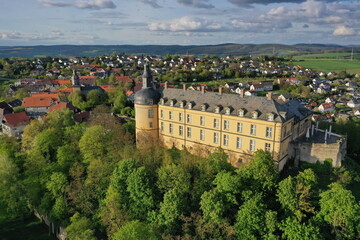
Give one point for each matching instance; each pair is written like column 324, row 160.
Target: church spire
column 75, row 81
column 147, row 77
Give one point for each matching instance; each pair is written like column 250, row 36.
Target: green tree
column 135, row 230
column 80, row 228
column 93, row 144
column 296, row 194
column 173, row 177
column 142, row 198
column 341, row 211
column 294, row 230
column 253, row 219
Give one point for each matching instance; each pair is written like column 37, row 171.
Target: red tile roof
column 60, row 82
column 87, row 77
column 124, row 79
column 16, row 119
column 63, row 90
column 327, row 105
column 53, row 96
column 62, row 105
column 37, row 102
column 108, row 88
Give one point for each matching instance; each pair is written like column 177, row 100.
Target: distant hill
column 220, row 50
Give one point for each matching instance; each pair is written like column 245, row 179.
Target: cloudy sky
column 183, row 22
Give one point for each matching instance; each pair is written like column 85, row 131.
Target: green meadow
column 330, row 62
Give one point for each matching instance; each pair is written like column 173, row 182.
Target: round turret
column 147, row 96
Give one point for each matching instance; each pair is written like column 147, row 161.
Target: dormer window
column 189, row 105
column 254, row 114
column 162, row 101
column 203, row 107
column 270, row 117
column 151, row 102
column 227, row 111
column 171, row 103
column 182, row 104
column 217, row 109
column 241, row 112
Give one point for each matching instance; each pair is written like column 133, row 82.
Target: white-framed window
column 270, row 117
column 202, row 120
column 181, row 117
column 170, row 128
column 267, row 147
column 151, row 102
column 252, row 145
column 226, row 140
column 171, row 103
column 162, row 126
column 239, row 127
column 162, row 101
column 162, row 113
column 189, row 132
column 170, row 115
column 203, row 107
column 238, row 142
column 269, row 132
column 253, row 129
column 217, row 110
column 188, row 118
column 216, row 123
column 254, row 115
column 151, row 113
column 241, row 113
column 181, row 104
column 181, row 131
column 226, row 125
column 216, row 137
column 227, row 111
column 202, row 135
column 189, row 105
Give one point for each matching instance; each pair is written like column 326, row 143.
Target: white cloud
column 186, row 23
column 93, row 5
column 344, row 31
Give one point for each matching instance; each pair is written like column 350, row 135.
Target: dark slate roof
column 262, row 105
column 147, row 96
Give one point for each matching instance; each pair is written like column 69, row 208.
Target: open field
column 332, row 55
column 328, row 65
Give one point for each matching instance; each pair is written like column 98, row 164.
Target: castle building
column 201, row 122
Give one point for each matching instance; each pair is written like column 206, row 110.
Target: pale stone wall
column 313, row 152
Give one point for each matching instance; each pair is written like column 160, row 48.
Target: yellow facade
column 202, row 132
column 147, row 124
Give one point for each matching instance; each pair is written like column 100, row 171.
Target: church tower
column 146, row 111
column 75, row 82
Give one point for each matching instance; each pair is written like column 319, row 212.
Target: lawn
column 332, row 55
column 28, row 229
column 328, row 65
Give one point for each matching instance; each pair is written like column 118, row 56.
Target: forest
column 91, row 179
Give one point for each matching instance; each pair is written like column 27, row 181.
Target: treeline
column 93, row 180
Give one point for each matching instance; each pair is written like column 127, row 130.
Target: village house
column 354, row 103
column 13, row 124
column 326, row 107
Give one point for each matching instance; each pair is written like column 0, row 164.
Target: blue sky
column 183, row 22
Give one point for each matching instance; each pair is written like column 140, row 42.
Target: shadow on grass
column 29, row 228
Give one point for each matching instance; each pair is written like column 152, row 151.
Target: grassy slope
column 330, row 62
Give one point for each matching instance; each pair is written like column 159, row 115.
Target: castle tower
column 146, row 111
column 75, row 82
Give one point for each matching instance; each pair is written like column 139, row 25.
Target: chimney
column 184, row 87
column 202, row 89
column 220, row 90
column 166, row 85
column 242, row 93
column 269, row 95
